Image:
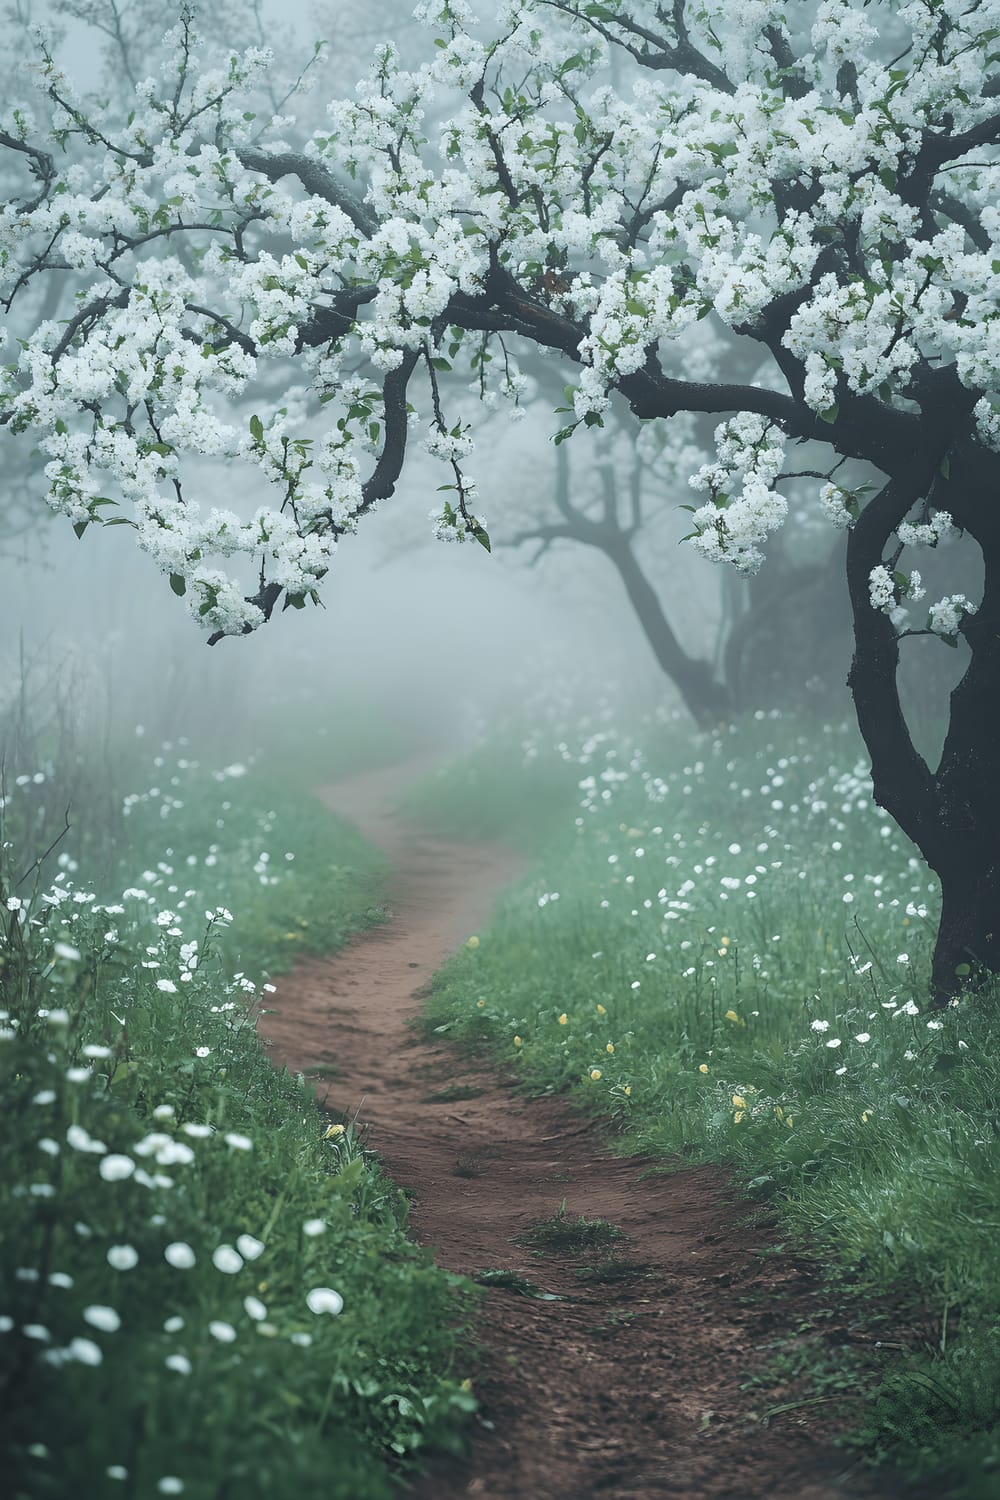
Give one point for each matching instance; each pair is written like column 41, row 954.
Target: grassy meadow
column 206, row 1288
column 723, row 948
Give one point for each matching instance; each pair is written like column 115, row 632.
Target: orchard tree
column 615, row 184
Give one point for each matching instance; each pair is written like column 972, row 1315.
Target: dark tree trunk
column 968, row 940
column 952, row 814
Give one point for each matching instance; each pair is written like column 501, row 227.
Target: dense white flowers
column 945, row 617
column 648, row 233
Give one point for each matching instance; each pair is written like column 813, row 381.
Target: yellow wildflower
column 610, row 1047
column 332, row 1131
column 601, row 1011
column 737, row 1020
column 788, row 1121
column 627, row 1089
column 563, row 1019
column 472, row 942
column 517, row 1041
column 595, row 1074
column 724, row 941
column 779, row 1112
column 737, row 1117
column 739, row 1102
column 480, row 1004
column 866, row 1116
column 703, row 1067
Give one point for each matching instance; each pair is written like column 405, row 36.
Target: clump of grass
column 473, row 1163
column 512, row 1281
column 562, row 1234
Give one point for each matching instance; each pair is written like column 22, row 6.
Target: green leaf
column 179, row 584
column 80, row 527
column 963, row 970
column 349, row 1178
column 257, row 429
column 481, row 537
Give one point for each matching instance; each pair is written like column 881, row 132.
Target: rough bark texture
column 951, row 814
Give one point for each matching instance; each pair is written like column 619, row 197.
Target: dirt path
column 629, row 1386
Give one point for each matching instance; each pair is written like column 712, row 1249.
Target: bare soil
column 630, row 1385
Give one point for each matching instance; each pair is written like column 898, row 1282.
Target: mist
column 432, row 637
column 435, row 639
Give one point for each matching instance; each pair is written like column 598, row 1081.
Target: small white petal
column 85, row 1351
column 179, row 1255
column 104, row 1318
column 122, row 1257
column 226, row 1259
column 323, row 1299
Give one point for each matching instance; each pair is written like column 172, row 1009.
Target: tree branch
column 315, row 178
column 656, row 52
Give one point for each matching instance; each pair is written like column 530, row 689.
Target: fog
column 432, row 636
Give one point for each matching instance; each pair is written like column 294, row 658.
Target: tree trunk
column 968, row 939
column 953, row 813
column 708, row 701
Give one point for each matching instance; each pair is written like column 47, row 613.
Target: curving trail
column 628, row 1389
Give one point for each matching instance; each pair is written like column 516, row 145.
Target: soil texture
column 637, row 1373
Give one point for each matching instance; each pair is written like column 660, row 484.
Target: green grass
column 297, row 879
column 201, row 1287
column 563, row 1235
column 725, row 951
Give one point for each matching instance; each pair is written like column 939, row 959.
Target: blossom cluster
column 193, row 250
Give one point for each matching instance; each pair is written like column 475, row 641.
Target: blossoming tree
column 620, row 185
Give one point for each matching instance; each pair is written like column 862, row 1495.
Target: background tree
column 770, row 639
column 763, row 169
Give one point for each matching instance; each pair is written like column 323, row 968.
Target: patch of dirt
column 627, row 1384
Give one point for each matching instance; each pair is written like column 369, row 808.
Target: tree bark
column 953, row 813
column 707, row 700
column 968, row 939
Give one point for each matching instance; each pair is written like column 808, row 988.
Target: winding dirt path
column 629, row 1385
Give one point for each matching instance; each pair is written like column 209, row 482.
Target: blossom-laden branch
column 826, row 205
